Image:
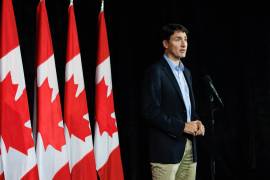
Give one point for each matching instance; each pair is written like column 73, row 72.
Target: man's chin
column 182, row 56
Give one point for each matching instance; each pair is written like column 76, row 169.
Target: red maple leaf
column 13, row 116
column 105, row 109
column 75, row 109
column 49, row 115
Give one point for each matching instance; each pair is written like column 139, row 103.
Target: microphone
column 213, row 90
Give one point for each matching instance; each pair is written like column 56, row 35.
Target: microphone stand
column 215, row 104
column 213, row 108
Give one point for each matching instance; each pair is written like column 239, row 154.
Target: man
column 169, row 107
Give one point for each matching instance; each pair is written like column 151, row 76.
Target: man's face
column 176, row 46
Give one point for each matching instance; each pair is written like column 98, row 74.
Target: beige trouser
column 185, row 170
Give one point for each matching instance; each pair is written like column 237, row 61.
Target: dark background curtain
column 229, row 42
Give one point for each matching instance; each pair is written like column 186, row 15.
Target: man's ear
column 165, row 44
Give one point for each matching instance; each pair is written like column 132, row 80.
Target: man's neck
column 176, row 61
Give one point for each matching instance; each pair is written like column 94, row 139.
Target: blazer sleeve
column 151, row 105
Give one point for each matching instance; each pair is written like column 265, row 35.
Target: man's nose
column 183, row 44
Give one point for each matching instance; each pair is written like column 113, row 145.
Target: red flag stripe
column 44, row 46
column 2, row 176
column 63, row 173
column 103, row 47
column 84, row 169
column 73, row 48
column 113, row 168
column 8, row 31
column 31, row 175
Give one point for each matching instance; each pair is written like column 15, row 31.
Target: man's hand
column 194, row 128
column 201, row 129
column 191, row 128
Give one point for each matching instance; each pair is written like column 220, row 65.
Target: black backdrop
column 229, row 42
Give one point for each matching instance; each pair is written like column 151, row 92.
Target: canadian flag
column 18, row 157
column 106, row 143
column 78, row 132
column 51, row 146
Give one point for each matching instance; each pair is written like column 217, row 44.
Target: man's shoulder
column 154, row 70
column 156, row 65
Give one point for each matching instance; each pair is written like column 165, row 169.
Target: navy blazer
column 164, row 109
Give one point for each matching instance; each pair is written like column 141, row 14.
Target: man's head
column 174, row 39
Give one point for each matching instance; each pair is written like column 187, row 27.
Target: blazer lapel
column 187, row 77
column 171, row 76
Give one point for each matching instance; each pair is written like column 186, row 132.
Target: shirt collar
column 174, row 66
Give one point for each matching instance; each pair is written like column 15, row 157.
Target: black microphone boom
column 213, row 89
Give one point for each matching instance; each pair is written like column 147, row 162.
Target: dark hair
column 169, row 29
